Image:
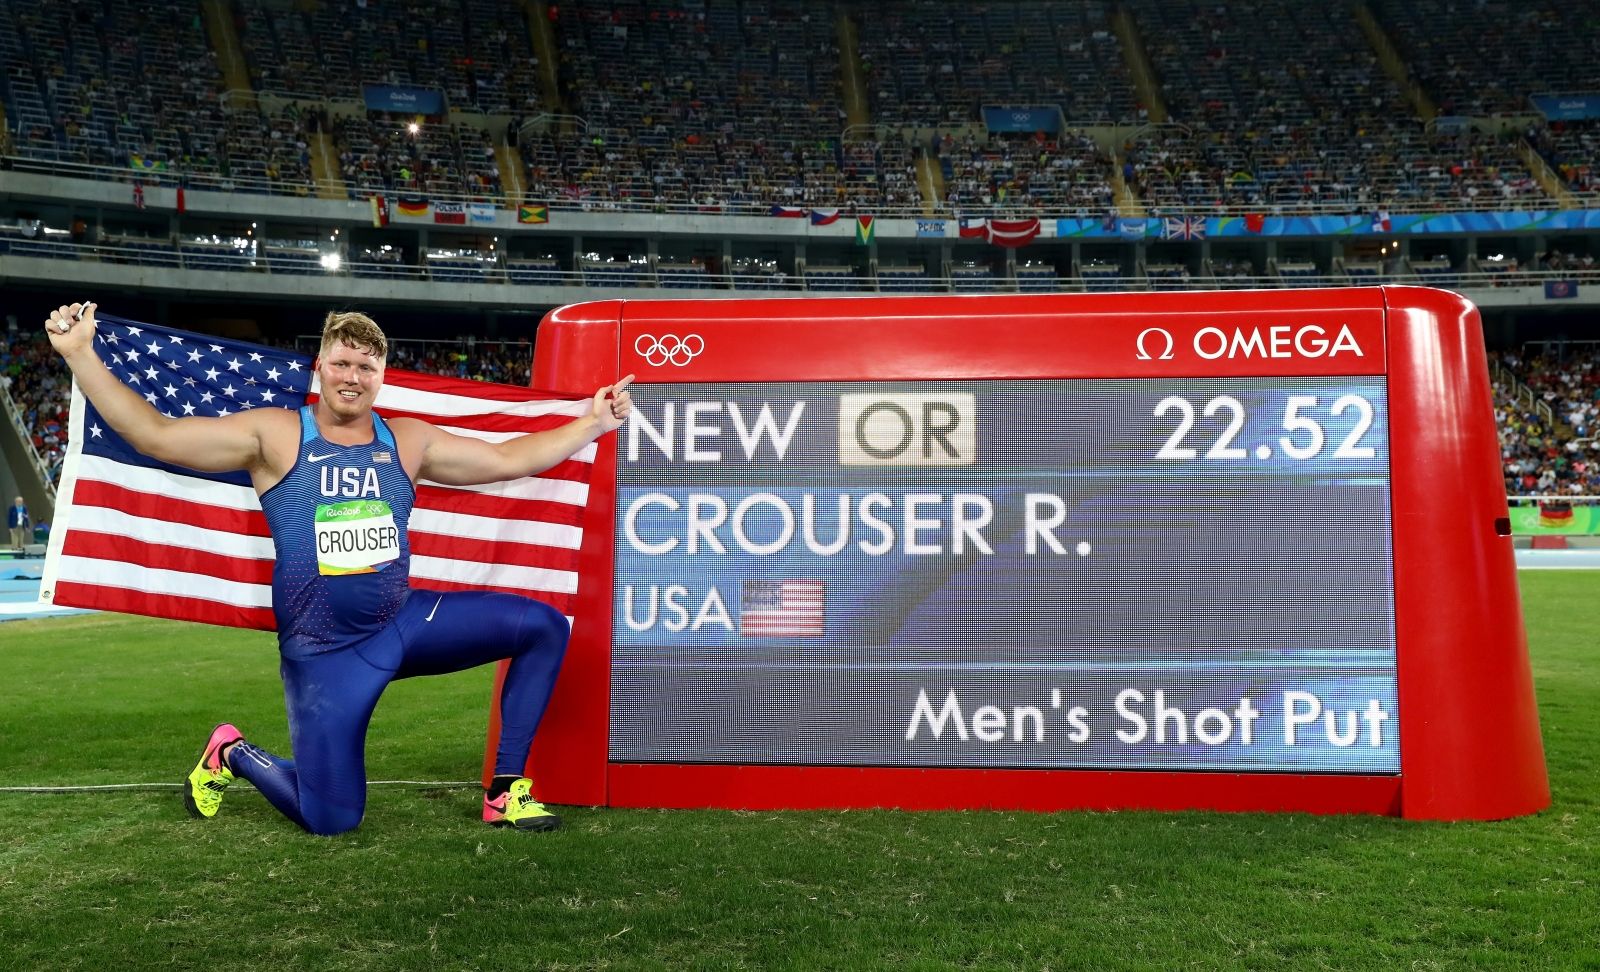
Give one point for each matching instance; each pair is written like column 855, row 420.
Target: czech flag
column 788, row 212
column 533, row 214
column 822, row 217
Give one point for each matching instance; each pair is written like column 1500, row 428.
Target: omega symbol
column 669, row 348
column 1144, row 355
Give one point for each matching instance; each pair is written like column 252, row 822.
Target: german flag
column 413, row 207
column 533, row 214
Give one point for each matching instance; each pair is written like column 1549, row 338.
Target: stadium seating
column 293, row 256
column 539, row 271
column 831, row 278
column 682, row 276
column 1486, row 58
column 902, row 279
column 736, row 105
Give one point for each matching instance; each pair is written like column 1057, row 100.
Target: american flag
column 135, row 535
column 781, row 609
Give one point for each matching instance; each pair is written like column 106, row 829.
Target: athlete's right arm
column 233, row 442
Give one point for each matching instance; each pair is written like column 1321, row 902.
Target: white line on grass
column 178, row 786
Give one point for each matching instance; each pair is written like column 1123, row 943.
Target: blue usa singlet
column 338, row 522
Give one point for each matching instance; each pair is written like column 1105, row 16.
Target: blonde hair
column 354, row 330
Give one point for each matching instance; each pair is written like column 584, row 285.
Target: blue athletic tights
column 331, row 696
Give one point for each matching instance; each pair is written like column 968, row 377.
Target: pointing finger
column 619, row 386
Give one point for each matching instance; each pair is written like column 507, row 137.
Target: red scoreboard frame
column 1469, row 742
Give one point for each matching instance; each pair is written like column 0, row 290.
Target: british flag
column 781, row 609
column 1183, row 228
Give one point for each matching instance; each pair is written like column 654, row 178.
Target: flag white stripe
column 153, row 580
column 100, row 519
column 143, row 479
column 586, row 454
column 495, row 529
column 495, row 575
column 549, row 490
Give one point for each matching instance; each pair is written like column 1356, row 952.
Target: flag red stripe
column 74, row 594
column 105, row 546
column 561, row 602
column 498, row 507
column 94, row 492
column 493, row 552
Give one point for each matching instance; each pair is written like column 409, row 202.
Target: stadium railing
column 212, row 181
column 671, row 277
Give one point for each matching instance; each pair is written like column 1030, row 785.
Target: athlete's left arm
column 456, row 460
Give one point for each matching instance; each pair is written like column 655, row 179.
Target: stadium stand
column 40, row 389
column 1286, row 106
column 736, row 105
column 1549, row 449
column 936, row 65
column 1537, row 48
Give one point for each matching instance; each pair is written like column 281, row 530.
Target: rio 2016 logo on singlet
column 358, row 537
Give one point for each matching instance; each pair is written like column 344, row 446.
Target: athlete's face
column 351, row 378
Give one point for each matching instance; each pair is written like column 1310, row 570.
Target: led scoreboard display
column 1108, row 573
column 1239, row 551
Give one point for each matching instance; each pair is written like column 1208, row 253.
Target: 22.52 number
column 1306, row 437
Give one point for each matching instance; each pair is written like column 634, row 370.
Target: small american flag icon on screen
column 781, row 609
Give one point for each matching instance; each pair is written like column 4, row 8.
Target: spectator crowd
column 741, row 104
column 40, row 388
column 1555, row 452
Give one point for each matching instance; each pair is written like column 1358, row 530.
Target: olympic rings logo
column 669, row 348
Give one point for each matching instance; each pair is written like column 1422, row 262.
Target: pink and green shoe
column 205, row 784
column 517, row 808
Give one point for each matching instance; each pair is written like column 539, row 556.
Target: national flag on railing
column 788, row 212
column 822, row 217
column 1012, row 232
column 1133, row 229
column 1183, row 228
column 1255, row 222
column 1381, row 222
column 973, row 226
column 380, row 210
column 453, row 214
column 136, row 535
column 866, row 230
column 481, row 213
column 413, row 207
column 533, row 214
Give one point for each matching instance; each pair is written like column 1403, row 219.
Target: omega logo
column 1145, row 355
column 1211, row 343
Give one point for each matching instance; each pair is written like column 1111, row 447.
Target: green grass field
column 127, row 880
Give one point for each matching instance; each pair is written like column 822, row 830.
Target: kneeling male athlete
column 347, row 629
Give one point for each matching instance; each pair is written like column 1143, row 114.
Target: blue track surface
column 19, row 593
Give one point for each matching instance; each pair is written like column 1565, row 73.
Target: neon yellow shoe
column 517, row 808
column 204, row 786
